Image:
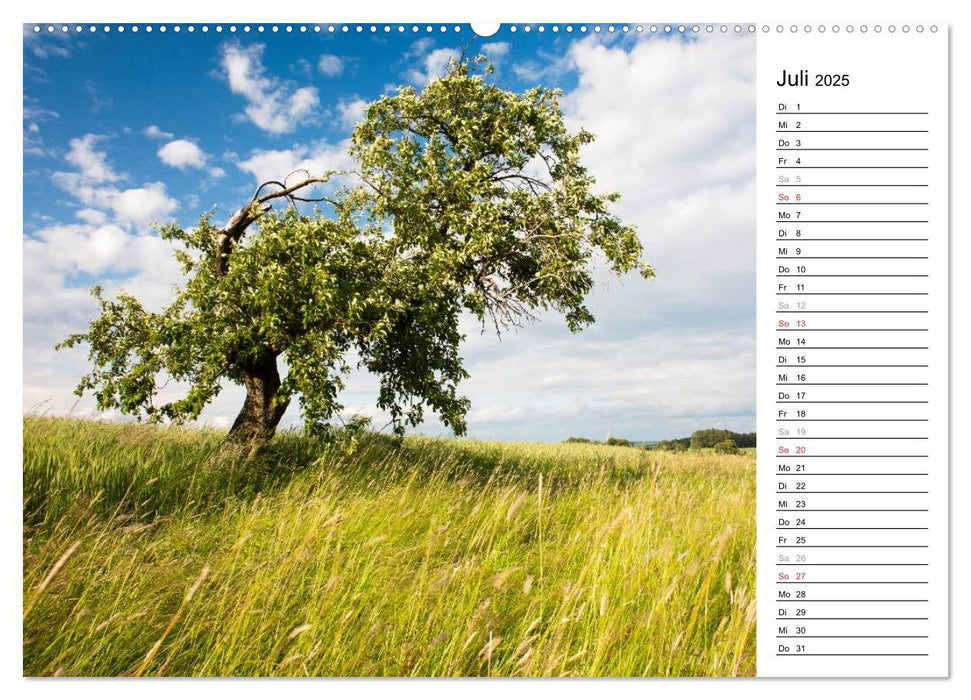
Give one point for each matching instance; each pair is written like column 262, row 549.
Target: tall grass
column 144, row 555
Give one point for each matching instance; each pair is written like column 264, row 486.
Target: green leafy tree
column 465, row 198
column 726, row 447
column 618, row 442
column 709, row 437
column 675, row 445
column 745, row 439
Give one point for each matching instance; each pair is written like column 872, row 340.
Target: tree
column 618, row 442
column 726, row 447
column 465, row 198
column 709, row 437
column 745, row 439
column 676, row 445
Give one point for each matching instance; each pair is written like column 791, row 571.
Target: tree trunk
column 261, row 412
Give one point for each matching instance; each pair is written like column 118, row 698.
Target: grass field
column 143, row 555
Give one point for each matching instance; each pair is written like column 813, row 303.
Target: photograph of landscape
column 388, row 350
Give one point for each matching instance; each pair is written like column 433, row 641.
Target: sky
column 123, row 131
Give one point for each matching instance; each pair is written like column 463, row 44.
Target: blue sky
column 125, row 129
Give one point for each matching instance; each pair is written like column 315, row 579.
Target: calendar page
column 424, row 349
column 852, row 351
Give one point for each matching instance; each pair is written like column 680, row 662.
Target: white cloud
column 351, row 111
column 34, row 115
column 274, row 105
column 420, row 47
column 114, row 246
column 182, row 154
column 135, row 206
column 674, row 123
column 92, row 164
column 46, row 44
column 495, row 50
column 57, row 302
column 546, row 69
column 143, row 205
column 153, row 132
column 59, row 262
column 34, row 112
column 79, row 247
column 431, row 65
column 216, row 173
column 315, row 158
column 92, row 216
column 655, row 384
column 330, row 65
column 98, row 197
column 681, row 113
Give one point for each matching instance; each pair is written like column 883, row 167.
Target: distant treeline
column 712, row 436
column 617, row 442
column 718, row 438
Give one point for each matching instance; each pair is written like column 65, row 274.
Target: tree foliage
column 726, row 447
column 618, row 442
column 465, row 198
column 676, row 445
column 710, row 437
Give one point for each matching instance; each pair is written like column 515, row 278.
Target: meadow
column 145, row 554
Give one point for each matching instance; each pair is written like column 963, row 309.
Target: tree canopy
column 465, row 198
column 710, row 437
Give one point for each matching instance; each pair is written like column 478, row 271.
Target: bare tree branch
column 230, row 234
